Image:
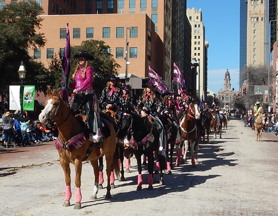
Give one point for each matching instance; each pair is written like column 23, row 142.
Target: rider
column 215, row 109
column 84, row 95
column 257, row 110
column 148, row 105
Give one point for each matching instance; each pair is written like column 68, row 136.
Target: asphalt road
column 237, row 176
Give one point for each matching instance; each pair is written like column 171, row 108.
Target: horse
column 216, row 126
column 259, row 123
column 224, row 120
column 73, row 147
column 206, row 117
column 189, row 132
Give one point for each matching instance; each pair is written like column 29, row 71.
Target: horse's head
column 51, row 107
column 193, row 111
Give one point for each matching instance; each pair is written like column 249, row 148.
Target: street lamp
column 126, row 54
column 22, row 74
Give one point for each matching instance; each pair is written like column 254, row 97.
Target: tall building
column 256, row 33
column 243, row 39
column 198, row 48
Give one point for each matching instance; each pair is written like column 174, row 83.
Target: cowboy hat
column 8, row 113
column 16, row 112
column 257, row 103
column 112, row 77
column 127, row 88
column 84, row 54
column 167, row 92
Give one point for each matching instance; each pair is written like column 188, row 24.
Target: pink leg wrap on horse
column 112, row 177
column 127, row 163
column 157, row 166
column 192, row 160
column 168, row 166
column 145, row 158
column 182, row 152
column 68, row 193
column 150, row 180
column 100, row 178
column 78, row 196
column 139, row 181
column 178, row 156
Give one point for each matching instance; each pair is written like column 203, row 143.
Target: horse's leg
column 169, row 158
column 96, row 172
column 127, row 165
column 110, row 175
column 121, row 156
column 101, row 180
column 139, row 179
column 220, row 132
column 66, row 167
column 144, row 160
column 196, row 149
column 78, row 170
column 185, row 144
column 161, row 159
column 192, row 147
column 150, row 169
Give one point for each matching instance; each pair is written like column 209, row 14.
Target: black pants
column 82, row 101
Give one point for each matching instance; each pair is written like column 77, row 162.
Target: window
column 131, row 3
column 154, row 18
column 37, row 53
column 143, row 4
column 254, row 31
column 2, row 4
column 105, row 32
column 133, row 32
column 39, row 2
column 119, row 52
column 76, row 33
column 62, row 52
column 154, row 3
column 254, row 43
column 254, row 56
column 262, row 19
column 121, row 4
column 63, row 33
column 133, row 52
column 49, row 53
column 89, row 32
column 119, row 32
column 53, row 6
column 194, row 48
column 254, row 49
column 99, row 4
column 110, row 4
column 254, row 62
column 255, row 25
column 254, row 38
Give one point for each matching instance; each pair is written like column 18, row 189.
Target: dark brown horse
column 216, row 126
column 74, row 148
column 206, row 117
column 189, row 132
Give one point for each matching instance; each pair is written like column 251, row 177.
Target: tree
column 18, row 24
column 103, row 64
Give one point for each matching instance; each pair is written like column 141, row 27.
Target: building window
column 119, row 32
column 254, row 43
column 254, row 56
column 53, row 6
column 119, row 52
column 262, row 19
column 254, row 49
column 255, row 24
column 131, row 3
column 133, row 32
column 121, row 4
column 198, row 48
column 197, row 17
column 37, row 53
column 110, row 4
column 143, row 4
column 254, row 62
column 63, row 33
column 254, row 31
column 39, row 2
column 105, row 32
column 194, row 48
column 154, row 18
column 49, row 53
column 76, row 33
column 89, row 32
column 62, row 52
column 133, row 52
column 99, row 4
column 254, row 38
column 154, row 3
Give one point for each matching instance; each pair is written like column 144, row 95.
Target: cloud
column 216, row 79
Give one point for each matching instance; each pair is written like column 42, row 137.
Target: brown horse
column 189, row 132
column 259, row 124
column 74, row 148
column 216, row 126
column 206, row 117
column 224, row 121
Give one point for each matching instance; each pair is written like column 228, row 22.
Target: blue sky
column 221, row 21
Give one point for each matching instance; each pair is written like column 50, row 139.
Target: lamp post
column 22, row 74
column 126, row 54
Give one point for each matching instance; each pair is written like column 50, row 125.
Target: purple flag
column 160, row 85
column 65, row 68
column 178, row 79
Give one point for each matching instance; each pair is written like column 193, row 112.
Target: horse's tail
column 116, row 163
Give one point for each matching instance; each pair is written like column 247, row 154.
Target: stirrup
column 98, row 137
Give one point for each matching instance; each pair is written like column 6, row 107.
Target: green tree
column 18, row 24
column 103, row 64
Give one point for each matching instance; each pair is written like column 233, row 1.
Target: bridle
column 190, row 112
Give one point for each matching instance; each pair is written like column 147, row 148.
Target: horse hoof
column 150, row 187
column 112, row 185
column 77, row 206
column 108, row 196
column 66, row 203
column 100, row 186
column 139, row 187
column 122, row 178
column 169, row 172
column 161, row 182
column 127, row 171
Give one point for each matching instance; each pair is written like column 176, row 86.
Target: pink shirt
column 84, row 84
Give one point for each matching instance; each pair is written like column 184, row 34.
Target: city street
column 236, row 176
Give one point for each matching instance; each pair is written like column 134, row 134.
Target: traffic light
column 244, row 90
column 266, row 98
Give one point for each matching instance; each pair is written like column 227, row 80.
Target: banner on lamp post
column 14, row 97
column 28, row 98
